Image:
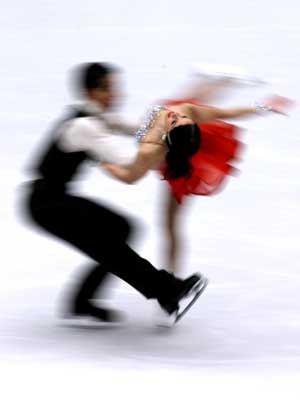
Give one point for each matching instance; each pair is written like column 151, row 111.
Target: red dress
column 212, row 164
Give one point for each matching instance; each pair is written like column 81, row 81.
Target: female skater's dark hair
column 183, row 142
column 88, row 76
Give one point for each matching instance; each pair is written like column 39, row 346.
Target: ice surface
column 242, row 339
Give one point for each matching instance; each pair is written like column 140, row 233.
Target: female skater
column 193, row 149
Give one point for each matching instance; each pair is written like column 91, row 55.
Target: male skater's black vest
column 55, row 167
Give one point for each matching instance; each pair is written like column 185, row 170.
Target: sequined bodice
column 148, row 121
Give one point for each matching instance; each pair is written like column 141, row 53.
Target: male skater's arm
column 94, row 137
column 124, row 128
column 119, row 125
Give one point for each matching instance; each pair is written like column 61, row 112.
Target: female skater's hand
column 279, row 104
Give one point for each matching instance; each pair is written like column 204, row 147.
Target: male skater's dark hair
column 88, row 76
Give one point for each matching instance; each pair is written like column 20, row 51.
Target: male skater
column 98, row 232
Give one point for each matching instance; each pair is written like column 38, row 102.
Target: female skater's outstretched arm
column 202, row 114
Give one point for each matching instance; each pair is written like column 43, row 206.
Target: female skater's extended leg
column 172, row 213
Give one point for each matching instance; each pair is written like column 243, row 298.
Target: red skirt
column 220, row 148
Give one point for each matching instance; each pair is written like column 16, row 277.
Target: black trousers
column 101, row 234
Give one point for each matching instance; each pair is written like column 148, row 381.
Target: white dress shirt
column 96, row 135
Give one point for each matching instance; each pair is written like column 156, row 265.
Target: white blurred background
column 243, row 336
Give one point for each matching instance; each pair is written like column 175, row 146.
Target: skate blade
column 197, row 291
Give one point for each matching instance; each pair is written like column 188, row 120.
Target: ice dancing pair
column 186, row 141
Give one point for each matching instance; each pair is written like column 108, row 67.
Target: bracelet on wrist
column 262, row 108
